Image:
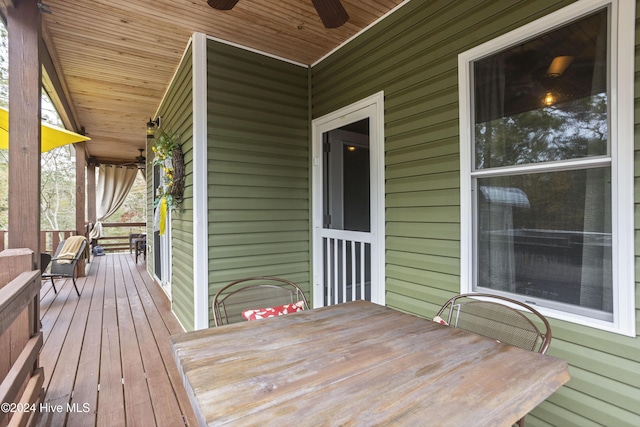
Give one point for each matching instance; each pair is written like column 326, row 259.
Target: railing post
column 20, row 332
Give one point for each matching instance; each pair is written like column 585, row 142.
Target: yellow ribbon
column 163, row 215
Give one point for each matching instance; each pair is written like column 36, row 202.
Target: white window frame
column 622, row 57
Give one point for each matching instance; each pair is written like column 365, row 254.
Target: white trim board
column 200, row 205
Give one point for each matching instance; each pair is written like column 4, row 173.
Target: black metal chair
column 499, row 318
column 132, row 237
column 45, row 259
column 140, row 246
column 63, row 264
column 254, row 293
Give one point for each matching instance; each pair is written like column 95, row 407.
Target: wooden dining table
column 359, row 364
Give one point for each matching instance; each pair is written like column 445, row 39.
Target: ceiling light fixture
column 549, row 99
column 559, row 65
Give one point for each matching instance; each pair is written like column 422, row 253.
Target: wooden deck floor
column 106, row 355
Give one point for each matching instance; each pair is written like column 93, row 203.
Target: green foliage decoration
column 168, row 156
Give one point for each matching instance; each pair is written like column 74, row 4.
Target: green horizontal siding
column 177, row 113
column 258, row 167
column 258, row 179
column 412, row 57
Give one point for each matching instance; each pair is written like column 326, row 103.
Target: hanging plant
column 169, row 157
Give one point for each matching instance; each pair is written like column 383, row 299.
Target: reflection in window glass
column 547, row 236
column 545, row 99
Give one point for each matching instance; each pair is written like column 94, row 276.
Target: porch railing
column 117, row 235
column 49, row 239
column 21, row 390
column 117, row 238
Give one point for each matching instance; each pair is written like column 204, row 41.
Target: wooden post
column 24, row 30
column 13, row 262
column 91, row 193
column 20, row 337
column 81, row 162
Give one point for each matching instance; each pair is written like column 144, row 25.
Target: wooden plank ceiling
column 116, row 57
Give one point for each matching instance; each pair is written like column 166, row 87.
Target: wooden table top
column 359, row 364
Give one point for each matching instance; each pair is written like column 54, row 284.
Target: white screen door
column 348, row 211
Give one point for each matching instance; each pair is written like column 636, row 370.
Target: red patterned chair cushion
column 440, row 320
column 263, row 313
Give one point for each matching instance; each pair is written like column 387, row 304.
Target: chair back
column 253, row 293
column 134, row 236
column 45, row 259
column 65, row 267
column 499, row 318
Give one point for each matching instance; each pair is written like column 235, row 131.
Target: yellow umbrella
column 51, row 136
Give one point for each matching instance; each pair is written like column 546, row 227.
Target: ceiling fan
column 331, row 12
column 140, row 161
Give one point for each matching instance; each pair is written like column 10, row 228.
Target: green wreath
column 168, row 156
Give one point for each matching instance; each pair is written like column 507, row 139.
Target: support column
column 24, row 30
column 81, row 222
column 91, row 193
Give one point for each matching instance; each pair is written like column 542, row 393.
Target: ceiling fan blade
column 222, row 4
column 331, row 12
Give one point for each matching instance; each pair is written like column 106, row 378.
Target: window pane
column 545, row 99
column 547, row 236
column 357, row 188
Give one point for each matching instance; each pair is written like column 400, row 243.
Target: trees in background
column 57, row 171
column 57, row 197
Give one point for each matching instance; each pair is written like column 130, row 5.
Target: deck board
column 85, row 390
column 136, row 390
column 62, row 310
column 61, row 381
column 111, row 393
column 107, row 353
column 167, row 410
column 154, row 303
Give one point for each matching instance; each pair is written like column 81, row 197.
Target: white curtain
column 496, row 257
column 114, row 184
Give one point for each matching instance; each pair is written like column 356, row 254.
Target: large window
column 546, row 169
